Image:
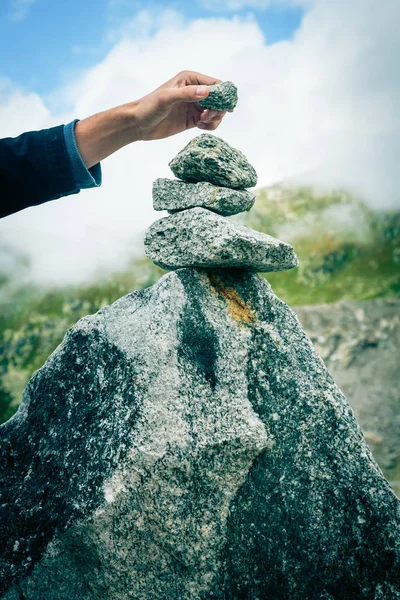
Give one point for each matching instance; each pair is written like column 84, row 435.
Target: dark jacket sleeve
column 34, row 168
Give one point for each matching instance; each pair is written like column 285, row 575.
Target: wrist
column 129, row 115
column 103, row 134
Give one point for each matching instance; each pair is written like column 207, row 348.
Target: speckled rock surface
column 199, row 238
column 173, row 195
column 209, row 158
column 222, row 96
column 188, row 443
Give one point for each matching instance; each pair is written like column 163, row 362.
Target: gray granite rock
column 187, row 442
column 222, row 96
column 209, row 158
column 174, row 195
column 200, row 238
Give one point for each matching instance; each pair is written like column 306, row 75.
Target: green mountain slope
column 346, row 252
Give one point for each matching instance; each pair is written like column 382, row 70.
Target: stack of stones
column 211, row 185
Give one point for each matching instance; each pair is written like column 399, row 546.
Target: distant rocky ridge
column 360, row 345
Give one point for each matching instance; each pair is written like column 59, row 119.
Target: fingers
column 208, row 126
column 210, row 119
column 193, row 78
column 188, row 93
column 208, row 115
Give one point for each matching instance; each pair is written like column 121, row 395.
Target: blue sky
column 44, row 42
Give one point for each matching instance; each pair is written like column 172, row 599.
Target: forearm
column 103, row 134
column 44, row 165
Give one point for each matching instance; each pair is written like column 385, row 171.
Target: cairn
column 212, row 185
column 188, row 442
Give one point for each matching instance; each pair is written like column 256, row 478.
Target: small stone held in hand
column 222, row 96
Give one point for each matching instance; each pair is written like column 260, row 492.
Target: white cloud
column 21, row 111
column 145, row 23
column 20, row 9
column 322, row 108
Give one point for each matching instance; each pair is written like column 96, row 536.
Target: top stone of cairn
column 208, row 158
column 222, row 96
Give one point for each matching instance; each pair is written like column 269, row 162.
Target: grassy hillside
column 345, row 252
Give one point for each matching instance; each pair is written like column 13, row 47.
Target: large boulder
column 186, row 443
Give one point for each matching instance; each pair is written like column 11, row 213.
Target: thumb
column 188, row 93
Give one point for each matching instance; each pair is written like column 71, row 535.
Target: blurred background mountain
column 346, row 292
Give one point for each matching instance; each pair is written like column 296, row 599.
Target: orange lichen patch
column 237, row 308
column 214, row 198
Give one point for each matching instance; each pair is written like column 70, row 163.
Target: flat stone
column 188, row 442
column 209, row 158
column 200, row 238
column 222, row 96
column 174, row 195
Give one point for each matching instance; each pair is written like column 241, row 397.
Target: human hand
column 170, row 109
column 173, row 108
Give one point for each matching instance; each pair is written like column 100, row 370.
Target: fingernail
column 201, row 125
column 201, row 91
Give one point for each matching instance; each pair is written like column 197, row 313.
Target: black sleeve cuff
column 34, row 168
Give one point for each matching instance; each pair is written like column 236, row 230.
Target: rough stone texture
column 209, row 158
column 200, row 238
column 222, row 96
column 185, row 443
column 174, row 195
column 360, row 344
